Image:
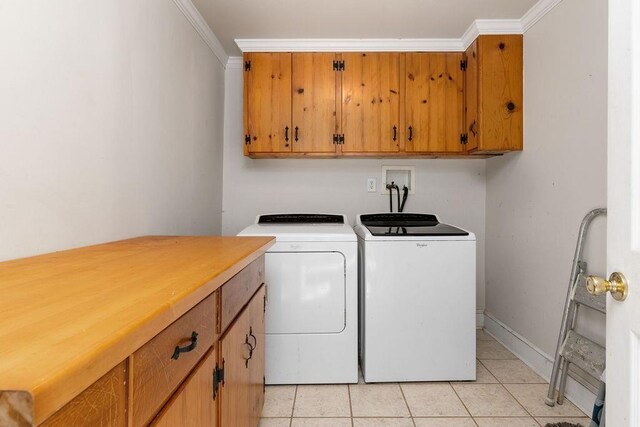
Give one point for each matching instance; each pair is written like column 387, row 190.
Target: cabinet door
column 256, row 311
column 235, row 349
column 370, row 102
column 314, row 103
column 192, row 405
column 267, row 102
column 434, row 102
column 500, row 93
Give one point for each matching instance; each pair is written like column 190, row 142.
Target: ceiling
column 303, row 19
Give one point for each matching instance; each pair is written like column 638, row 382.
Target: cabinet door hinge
column 247, row 139
column 247, row 65
column 463, row 65
column 338, row 138
column 338, row 65
column 218, row 378
column 264, row 384
column 463, row 138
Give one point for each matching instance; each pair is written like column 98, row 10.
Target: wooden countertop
column 67, row 318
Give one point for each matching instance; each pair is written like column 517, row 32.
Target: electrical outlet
column 371, row 185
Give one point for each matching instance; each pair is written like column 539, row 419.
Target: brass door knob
column 617, row 285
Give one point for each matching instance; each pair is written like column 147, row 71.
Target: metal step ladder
column 573, row 348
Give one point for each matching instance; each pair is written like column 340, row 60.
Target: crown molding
column 234, row 63
column 477, row 27
column 197, row 21
column 537, row 11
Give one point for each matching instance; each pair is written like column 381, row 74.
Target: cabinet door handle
column 295, row 137
column 395, row 133
column 286, row 133
column 474, row 128
column 255, row 340
column 187, row 348
column 246, row 359
column 410, row 133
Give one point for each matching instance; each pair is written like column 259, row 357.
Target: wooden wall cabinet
column 290, row 103
column 386, row 104
column 494, row 94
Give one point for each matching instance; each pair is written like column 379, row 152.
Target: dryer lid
column 302, row 228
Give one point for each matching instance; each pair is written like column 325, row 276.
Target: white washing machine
column 311, row 318
column 417, row 298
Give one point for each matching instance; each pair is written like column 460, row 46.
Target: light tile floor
column 507, row 393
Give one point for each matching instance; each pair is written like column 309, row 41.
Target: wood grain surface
column 500, row 93
column 103, row 404
column 434, row 102
column 314, row 102
column 268, row 102
column 371, row 102
column 192, row 405
column 155, row 374
column 237, row 292
column 69, row 317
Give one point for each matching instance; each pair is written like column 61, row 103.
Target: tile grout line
column 511, row 394
column 404, row 398
column 350, row 406
column 293, row 407
column 462, row 401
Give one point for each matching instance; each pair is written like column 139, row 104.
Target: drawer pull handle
column 186, row 349
column 246, row 359
column 255, row 340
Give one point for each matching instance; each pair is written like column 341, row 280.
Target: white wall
column 111, row 124
column 536, row 199
column 454, row 189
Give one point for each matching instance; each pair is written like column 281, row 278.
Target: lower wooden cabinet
column 188, row 375
column 193, row 404
column 242, row 353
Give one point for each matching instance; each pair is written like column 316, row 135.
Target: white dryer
column 311, row 318
column 417, row 298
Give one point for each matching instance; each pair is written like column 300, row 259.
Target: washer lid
column 407, row 225
column 302, row 228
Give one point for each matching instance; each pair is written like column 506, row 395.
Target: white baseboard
column 537, row 360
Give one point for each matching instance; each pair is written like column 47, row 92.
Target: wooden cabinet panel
column 268, row 103
column 236, row 293
column 155, row 374
column 314, row 103
column 235, row 351
column 370, row 102
column 256, row 311
column 102, row 404
column 193, row 405
column 471, row 96
column 500, row 85
column 434, row 101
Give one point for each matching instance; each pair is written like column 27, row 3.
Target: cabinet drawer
column 157, row 371
column 237, row 292
column 102, row 404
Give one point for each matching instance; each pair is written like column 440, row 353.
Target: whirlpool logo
column 422, row 245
